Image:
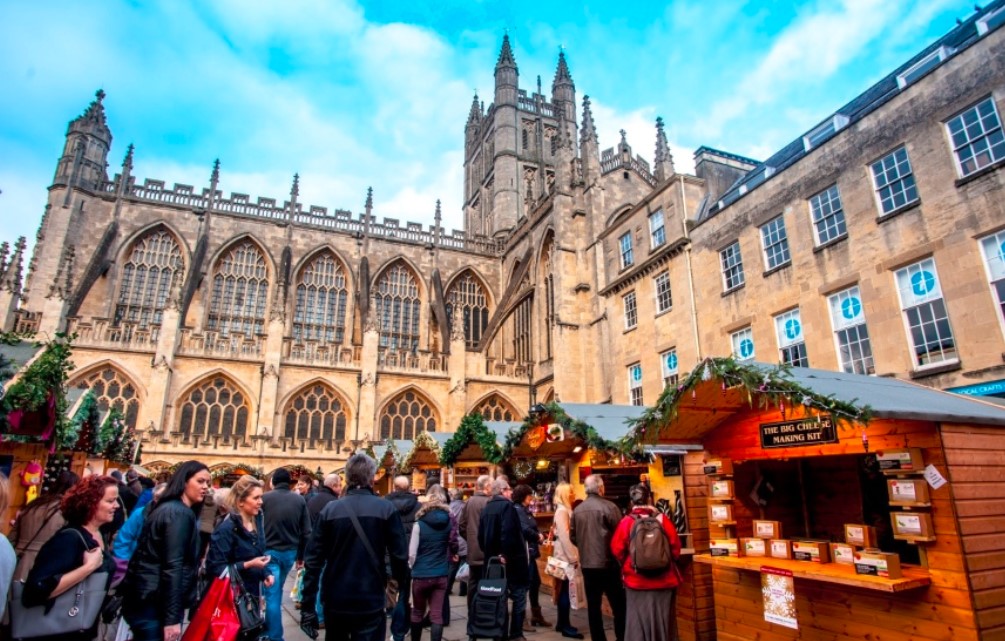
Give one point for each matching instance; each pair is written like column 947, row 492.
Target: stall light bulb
column 577, row 449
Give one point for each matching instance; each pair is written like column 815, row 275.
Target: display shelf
column 915, row 539
column 909, row 504
column 544, row 515
column 913, row 578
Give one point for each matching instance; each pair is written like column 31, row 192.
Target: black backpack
column 488, row 607
column 649, row 546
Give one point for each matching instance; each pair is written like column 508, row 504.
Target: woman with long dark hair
column 76, row 551
column 160, row 582
column 38, row 522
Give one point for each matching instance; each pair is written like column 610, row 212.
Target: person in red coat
column 650, row 598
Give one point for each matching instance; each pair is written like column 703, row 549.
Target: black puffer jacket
column 500, row 534
column 407, row 505
column 164, row 567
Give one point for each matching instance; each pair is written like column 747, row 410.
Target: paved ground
column 457, row 631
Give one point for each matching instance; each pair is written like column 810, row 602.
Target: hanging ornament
column 806, row 400
column 781, row 406
column 865, row 440
column 694, row 394
column 706, row 373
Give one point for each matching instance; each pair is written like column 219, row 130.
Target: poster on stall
column 779, row 592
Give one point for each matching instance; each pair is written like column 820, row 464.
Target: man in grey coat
column 593, row 524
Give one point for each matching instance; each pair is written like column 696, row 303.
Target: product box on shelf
column 861, row 535
column 875, row 563
column 768, row 529
column 754, row 547
column 815, row 551
column 906, row 460
column 720, row 513
column 780, row 549
column 911, row 526
column 908, row 491
column 718, row 466
column 720, row 489
column 725, row 547
column 843, row 553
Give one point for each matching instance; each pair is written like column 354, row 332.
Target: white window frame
column 786, row 343
column 736, row 341
column 824, row 131
column 907, row 305
column 781, row 241
column 660, row 230
column 725, row 266
column 670, row 374
column 625, row 249
column 631, row 310
column 982, row 24
column 658, row 291
column 902, row 179
column 635, row 385
column 835, row 302
column 908, row 76
column 994, row 267
column 816, row 206
column 971, row 141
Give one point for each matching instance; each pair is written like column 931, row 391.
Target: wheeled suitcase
column 488, row 608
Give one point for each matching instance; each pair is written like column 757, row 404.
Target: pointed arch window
column 396, row 299
column 240, row 291
column 112, row 390
column 154, row 263
column 406, row 415
column 216, row 407
column 321, row 301
column 549, row 296
column 467, row 295
column 316, row 414
column 522, row 330
column 495, row 408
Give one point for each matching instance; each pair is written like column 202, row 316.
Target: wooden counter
column 825, row 572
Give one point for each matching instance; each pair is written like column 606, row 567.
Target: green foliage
column 580, row 430
column 226, row 470
column 86, row 418
column 46, row 375
column 766, row 386
column 472, row 430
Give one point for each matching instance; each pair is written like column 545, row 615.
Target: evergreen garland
column 226, row 470
column 46, row 376
column 472, row 430
column 87, row 416
column 765, row 385
column 579, row 429
column 422, row 440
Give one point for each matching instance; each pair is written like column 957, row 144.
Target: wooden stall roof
column 711, row 405
column 611, row 422
column 425, row 449
column 401, row 446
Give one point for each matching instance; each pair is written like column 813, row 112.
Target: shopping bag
column 216, row 618
column 557, row 568
column 577, row 590
column 298, row 585
column 464, row 572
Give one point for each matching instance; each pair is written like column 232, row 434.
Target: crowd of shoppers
column 351, row 544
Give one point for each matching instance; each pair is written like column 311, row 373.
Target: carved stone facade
column 260, row 331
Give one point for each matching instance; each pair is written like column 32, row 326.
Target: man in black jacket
column 287, row 526
column 500, row 534
column 326, row 494
column 349, row 568
column 407, row 505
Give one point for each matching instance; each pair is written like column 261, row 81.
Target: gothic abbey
column 241, row 329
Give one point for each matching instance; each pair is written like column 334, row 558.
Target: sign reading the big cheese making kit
column 810, row 431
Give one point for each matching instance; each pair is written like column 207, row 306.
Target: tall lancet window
column 467, row 295
column 406, row 415
column 321, row 301
column 397, row 307
column 240, row 291
column 154, row 262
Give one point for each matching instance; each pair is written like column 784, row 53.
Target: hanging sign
column 779, row 592
column 535, row 437
column 802, row 433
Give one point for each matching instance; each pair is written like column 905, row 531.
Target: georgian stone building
column 241, row 329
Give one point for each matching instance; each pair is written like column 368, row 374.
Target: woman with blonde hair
column 239, row 539
column 566, row 551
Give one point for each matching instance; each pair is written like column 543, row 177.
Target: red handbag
column 216, row 618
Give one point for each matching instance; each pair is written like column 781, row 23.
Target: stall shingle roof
column 894, row 398
column 610, row 421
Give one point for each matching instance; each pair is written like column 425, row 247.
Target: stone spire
column 10, row 277
column 589, row 132
column 475, row 114
column 214, row 178
column 93, row 118
column 664, row 160
column 127, row 162
column 506, row 58
column 295, row 190
column 62, row 284
column 562, row 75
column 4, row 252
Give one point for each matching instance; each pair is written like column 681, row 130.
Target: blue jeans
column 144, row 621
column 518, row 595
column 402, row 611
column 280, row 565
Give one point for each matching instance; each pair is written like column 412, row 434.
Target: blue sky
column 357, row 94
